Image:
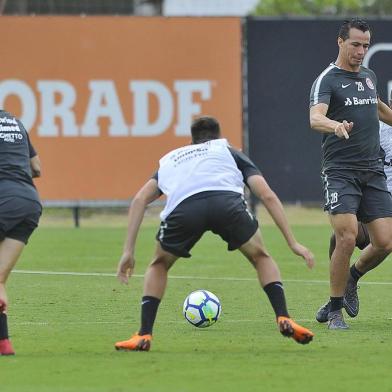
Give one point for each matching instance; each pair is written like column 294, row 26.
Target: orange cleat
column 135, row 343
column 6, row 347
column 291, row 329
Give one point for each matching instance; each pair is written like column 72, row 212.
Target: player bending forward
column 204, row 186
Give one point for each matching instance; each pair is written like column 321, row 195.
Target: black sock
column 355, row 274
column 275, row 293
column 3, row 326
column 336, row 303
column 149, row 312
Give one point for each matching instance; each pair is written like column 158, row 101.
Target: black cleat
column 336, row 320
column 322, row 313
column 350, row 299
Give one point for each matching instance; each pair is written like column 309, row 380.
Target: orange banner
column 105, row 97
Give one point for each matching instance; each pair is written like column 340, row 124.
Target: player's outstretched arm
column 320, row 122
column 260, row 188
column 148, row 193
column 384, row 112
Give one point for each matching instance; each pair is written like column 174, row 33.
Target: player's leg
column 155, row 277
column 362, row 241
column 155, row 281
column 267, row 272
column 230, row 218
column 376, row 210
column 350, row 299
column 380, row 231
column 10, row 251
column 270, row 280
column 346, row 229
column 363, row 238
column 332, row 245
column 343, row 196
column 19, row 218
column 176, row 237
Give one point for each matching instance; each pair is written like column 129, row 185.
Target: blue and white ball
column 202, row 308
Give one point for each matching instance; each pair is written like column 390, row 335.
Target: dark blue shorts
column 362, row 193
column 222, row 212
column 18, row 218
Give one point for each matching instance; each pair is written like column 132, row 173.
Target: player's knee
column 157, row 262
column 161, row 262
column 346, row 241
column 384, row 245
column 259, row 256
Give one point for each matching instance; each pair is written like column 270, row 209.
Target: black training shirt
column 350, row 96
column 15, row 153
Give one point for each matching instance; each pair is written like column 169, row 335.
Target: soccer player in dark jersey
column 345, row 107
column 357, row 270
column 204, row 186
column 20, row 206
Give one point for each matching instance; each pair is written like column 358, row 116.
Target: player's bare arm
column 384, row 112
column 147, row 194
column 260, row 188
column 35, row 164
column 320, row 122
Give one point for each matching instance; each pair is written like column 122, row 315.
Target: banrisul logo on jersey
column 360, row 101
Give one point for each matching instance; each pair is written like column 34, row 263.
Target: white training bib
column 197, row 168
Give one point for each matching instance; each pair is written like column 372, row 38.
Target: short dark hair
column 354, row 23
column 204, row 129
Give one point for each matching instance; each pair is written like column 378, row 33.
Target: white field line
column 47, row 323
column 69, row 273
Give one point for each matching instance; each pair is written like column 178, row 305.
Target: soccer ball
column 202, row 308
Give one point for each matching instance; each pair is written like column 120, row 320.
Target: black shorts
column 18, row 218
column 224, row 213
column 362, row 193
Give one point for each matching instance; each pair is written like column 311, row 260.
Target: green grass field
column 63, row 327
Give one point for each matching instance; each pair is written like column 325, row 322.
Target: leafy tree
column 379, row 7
column 323, row 7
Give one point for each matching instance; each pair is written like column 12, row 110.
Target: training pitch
column 67, row 310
